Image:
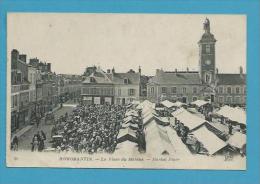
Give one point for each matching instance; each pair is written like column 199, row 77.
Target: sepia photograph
column 115, row 90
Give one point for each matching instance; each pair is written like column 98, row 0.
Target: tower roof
column 207, row 36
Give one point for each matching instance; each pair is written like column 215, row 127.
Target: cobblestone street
column 26, row 138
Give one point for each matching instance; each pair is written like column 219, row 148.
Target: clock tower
column 207, row 55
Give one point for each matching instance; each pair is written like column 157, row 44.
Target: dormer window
column 126, row 81
column 92, row 79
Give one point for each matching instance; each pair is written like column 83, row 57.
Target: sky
column 73, row 41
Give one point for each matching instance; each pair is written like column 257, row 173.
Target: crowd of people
column 89, row 129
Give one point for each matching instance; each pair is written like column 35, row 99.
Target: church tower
column 207, row 55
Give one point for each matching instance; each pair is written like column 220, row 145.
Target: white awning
column 167, row 103
column 132, row 113
column 233, row 114
column 126, row 131
column 199, row 103
column 178, row 111
column 209, row 140
column 127, row 147
column 190, row 120
column 237, row 140
column 144, row 104
column 178, row 104
column 157, row 140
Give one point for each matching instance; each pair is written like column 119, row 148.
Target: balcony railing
column 19, row 87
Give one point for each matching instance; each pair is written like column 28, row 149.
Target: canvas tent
column 209, row 140
column 199, row 103
column 131, row 113
column 130, row 119
column 178, row 104
column 189, row 120
column 148, row 118
column 237, row 140
column 126, row 134
column 157, row 140
column 178, row 111
column 234, row 114
column 130, row 125
column 167, row 103
column 144, row 104
column 126, row 148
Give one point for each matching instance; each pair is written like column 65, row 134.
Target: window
column 207, row 48
column 131, row 92
column 118, row 100
column 237, row 90
column 237, row 99
column 229, row 99
column 15, row 100
column 164, row 89
column 119, row 92
column 92, row 79
column 152, row 90
column 220, row 89
column 220, row 99
column 207, row 78
column 194, row 89
column 184, row 90
column 229, row 90
column 194, row 98
column 174, row 90
column 125, row 81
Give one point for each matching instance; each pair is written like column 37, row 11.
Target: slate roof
column 115, row 78
column 231, row 79
column 99, row 78
column 207, row 37
column 176, row 78
column 133, row 78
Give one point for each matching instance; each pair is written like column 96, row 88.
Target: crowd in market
column 89, row 129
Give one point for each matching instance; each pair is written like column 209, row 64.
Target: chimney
column 15, row 54
column 49, row 67
column 216, row 71
column 241, row 70
column 187, row 69
column 139, row 70
column 113, row 70
column 176, row 71
column 157, row 71
column 22, row 57
column 14, row 58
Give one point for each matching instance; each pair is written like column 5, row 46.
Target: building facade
column 206, row 84
column 110, row 87
column 20, row 105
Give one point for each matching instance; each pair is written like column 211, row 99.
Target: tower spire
column 206, row 25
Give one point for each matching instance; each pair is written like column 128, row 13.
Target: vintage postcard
column 152, row 91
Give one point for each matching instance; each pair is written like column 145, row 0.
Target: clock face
column 208, row 62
